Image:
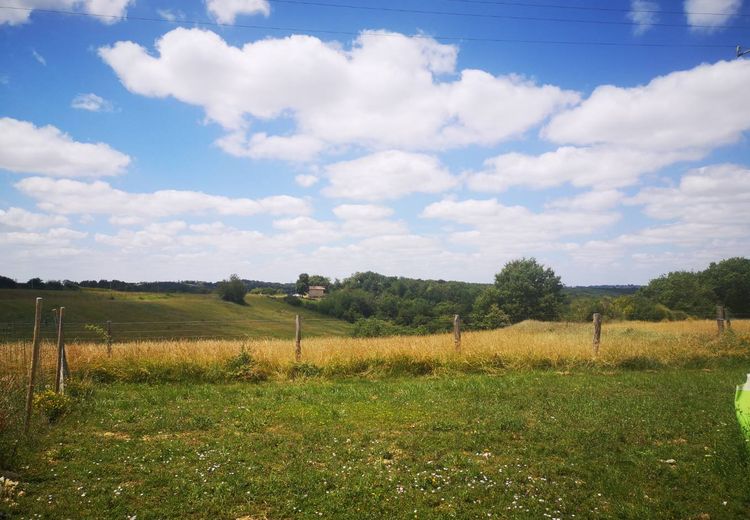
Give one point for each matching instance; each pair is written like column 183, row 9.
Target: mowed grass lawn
column 527, row 444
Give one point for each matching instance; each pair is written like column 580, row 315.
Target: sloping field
column 158, row 315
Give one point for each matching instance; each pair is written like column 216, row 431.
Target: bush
column 304, row 370
column 373, row 327
column 292, row 300
column 79, row 388
column 52, row 405
column 244, row 368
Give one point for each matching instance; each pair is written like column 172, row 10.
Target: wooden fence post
column 297, row 338
column 727, row 319
column 34, row 363
column 720, row 318
column 109, row 338
column 457, row 332
column 59, row 374
column 597, row 332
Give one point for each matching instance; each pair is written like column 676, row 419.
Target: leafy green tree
column 528, row 290
column 303, row 284
column 492, row 318
column 35, row 283
column 232, row 290
column 681, row 291
column 7, row 283
column 730, row 282
column 316, row 279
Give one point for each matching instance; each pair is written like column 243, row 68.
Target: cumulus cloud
column 306, row 180
column 718, row 194
column 297, row 148
column 607, row 166
column 494, row 227
column 91, row 102
column 53, row 237
column 388, row 90
column 22, row 219
column 25, row 148
column 387, row 175
column 644, row 14
column 226, row 11
column 111, row 11
column 589, row 201
column 705, row 218
column 670, row 113
column 707, row 15
column 621, row 134
column 369, row 220
column 75, row 197
column 362, row 211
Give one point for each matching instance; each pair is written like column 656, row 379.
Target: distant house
column 316, row 291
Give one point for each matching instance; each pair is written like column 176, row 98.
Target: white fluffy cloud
column 91, row 102
column 708, row 14
column 74, row 197
column 604, row 166
column 684, row 110
column 495, row 228
column 386, row 91
column 25, row 148
column 589, row 201
column 362, row 211
column 718, row 194
column 226, row 11
column 22, row 219
column 262, row 146
column 387, row 175
column 306, row 180
column 111, row 10
column 623, row 133
column 369, row 220
column 706, row 218
column 643, row 13
column 58, row 237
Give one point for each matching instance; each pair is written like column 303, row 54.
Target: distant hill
column 600, row 290
column 137, row 315
column 183, row 286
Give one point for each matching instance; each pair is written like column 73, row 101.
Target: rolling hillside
column 158, row 315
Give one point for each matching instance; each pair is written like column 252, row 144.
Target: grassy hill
column 159, row 315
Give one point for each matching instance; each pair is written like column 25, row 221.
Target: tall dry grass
column 525, row 345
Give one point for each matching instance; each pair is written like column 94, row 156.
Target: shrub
column 292, row 300
column 79, row 388
column 244, row 368
column 373, row 327
column 52, row 405
column 304, row 370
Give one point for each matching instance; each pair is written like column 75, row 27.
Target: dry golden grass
column 526, row 345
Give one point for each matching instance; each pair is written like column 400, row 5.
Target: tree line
column 525, row 289
column 677, row 295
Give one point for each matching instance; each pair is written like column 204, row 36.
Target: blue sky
column 437, row 139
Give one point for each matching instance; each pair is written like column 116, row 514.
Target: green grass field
column 529, row 444
column 159, row 315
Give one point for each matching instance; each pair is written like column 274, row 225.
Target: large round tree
column 232, row 290
column 527, row 290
